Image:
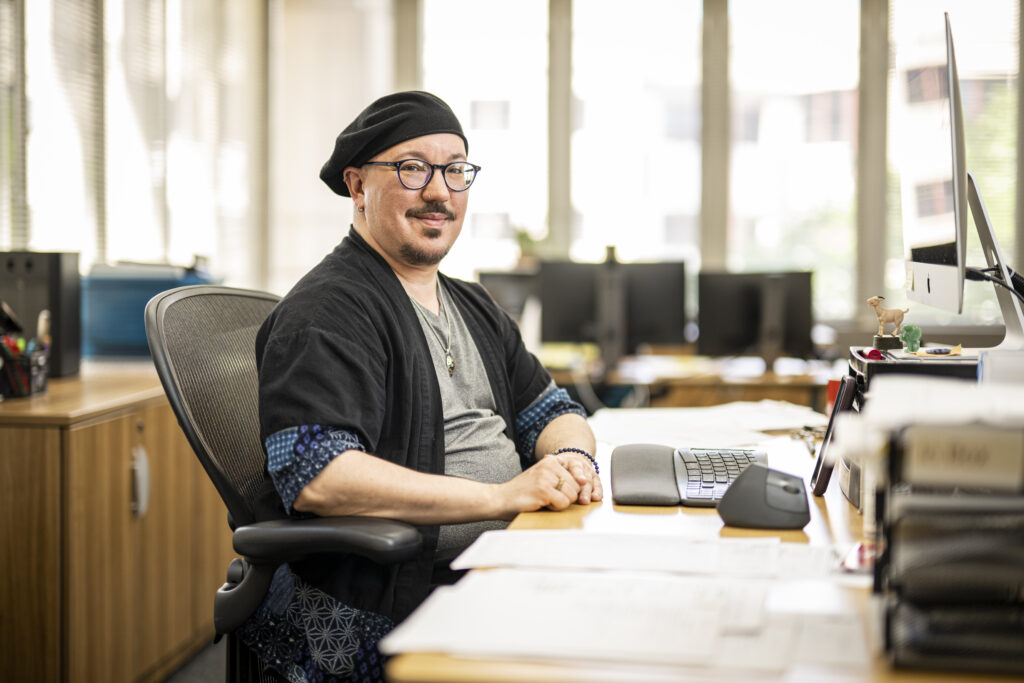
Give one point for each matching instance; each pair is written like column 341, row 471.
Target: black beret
column 390, row 120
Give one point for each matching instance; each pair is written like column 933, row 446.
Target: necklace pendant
column 450, row 363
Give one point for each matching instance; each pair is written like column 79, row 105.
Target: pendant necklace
column 449, row 360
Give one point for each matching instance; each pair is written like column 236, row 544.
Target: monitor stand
column 611, row 311
column 1009, row 305
column 773, row 316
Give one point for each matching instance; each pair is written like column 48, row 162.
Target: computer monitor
column 568, row 301
column 933, row 171
column 655, row 304
column 510, row 288
column 936, row 190
column 754, row 314
column 647, row 299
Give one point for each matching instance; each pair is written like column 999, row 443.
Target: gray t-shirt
column 474, row 434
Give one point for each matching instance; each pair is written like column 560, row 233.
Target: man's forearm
column 356, row 483
column 565, row 431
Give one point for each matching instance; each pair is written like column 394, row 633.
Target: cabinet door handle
column 140, row 481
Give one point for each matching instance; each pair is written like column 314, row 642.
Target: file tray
column 959, row 637
column 959, row 457
column 950, row 519
column 954, row 549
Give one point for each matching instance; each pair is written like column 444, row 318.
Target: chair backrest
column 202, row 340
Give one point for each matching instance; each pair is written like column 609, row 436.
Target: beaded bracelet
column 588, row 456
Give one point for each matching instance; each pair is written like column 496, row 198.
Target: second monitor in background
column 632, row 305
column 754, row 314
column 655, row 305
column 510, row 288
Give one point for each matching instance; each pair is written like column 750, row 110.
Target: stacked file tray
column 950, row 575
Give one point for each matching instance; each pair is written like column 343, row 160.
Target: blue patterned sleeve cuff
column 532, row 421
column 297, row 454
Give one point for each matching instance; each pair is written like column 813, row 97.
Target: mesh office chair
column 202, row 340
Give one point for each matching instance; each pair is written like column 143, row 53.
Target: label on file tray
column 964, row 456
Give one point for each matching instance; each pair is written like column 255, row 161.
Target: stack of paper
column 570, row 549
column 636, row 617
column 638, row 599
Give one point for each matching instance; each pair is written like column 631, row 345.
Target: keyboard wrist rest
column 644, row 474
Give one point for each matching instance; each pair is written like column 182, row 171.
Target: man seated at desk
column 388, row 389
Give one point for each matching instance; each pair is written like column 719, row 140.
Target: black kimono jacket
column 344, row 349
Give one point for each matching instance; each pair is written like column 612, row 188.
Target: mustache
column 434, row 207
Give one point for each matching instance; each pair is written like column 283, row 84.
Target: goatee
column 419, row 257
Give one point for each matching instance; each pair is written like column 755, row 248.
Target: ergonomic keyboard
column 703, row 474
column 655, row 474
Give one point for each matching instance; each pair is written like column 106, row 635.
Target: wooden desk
column 833, row 520
column 689, row 381
column 95, row 590
column 806, row 390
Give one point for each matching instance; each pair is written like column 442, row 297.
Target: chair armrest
column 287, row 540
column 266, row 545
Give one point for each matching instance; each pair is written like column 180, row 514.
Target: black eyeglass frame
column 430, row 176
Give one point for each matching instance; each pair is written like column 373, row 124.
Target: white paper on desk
column 669, row 427
column 833, row 640
column 572, row 549
column 740, row 423
column 566, row 615
column 768, row 649
column 767, row 415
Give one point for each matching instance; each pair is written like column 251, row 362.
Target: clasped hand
column 581, row 471
column 555, row 482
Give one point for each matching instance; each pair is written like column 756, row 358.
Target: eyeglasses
column 415, row 174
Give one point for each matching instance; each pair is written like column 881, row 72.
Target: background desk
column 92, row 590
column 688, row 381
column 833, row 520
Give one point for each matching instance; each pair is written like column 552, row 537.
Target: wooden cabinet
column 110, row 574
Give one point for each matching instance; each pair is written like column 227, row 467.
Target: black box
column 31, row 282
column 864, row 368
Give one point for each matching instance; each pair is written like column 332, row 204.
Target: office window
column 831, row 116
column 682, row 119
column 636, row 144
column 489, row 114
column 927, row 83
column 496, row 226
column 64, row 130
column 934, row 199
column 13, row 213
column 681, row 229
column 746, row 118
column 141, row 130
column 182, row 122
column 793, row 82
column 489, row 62
column 136, row 150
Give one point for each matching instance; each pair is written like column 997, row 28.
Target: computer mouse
column 763, row 498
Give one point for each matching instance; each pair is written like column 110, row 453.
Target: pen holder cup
column 23, row 375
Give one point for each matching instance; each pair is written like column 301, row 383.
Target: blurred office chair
column 202, row 340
